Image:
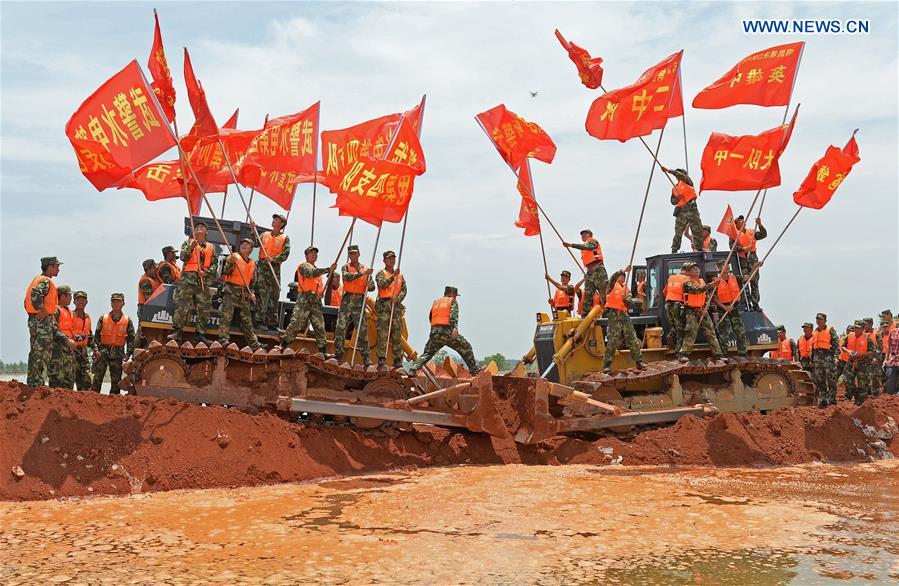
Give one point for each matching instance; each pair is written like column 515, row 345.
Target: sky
column 364, row 60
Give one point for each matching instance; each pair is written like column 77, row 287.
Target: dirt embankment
column 63, row 443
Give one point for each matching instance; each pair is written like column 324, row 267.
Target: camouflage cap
column 869, row 320
column 63, row 289
column 888, row 312
column 587, row 231
column 859, row 323
column 820, row 315
column 566, row 273
column 247, row 240
column 280, row 217
column 885, row 322
column 119, row 296
column 709, row 228
column 781, row 329
column 449, row 290
column 352, row 248
column 807, row 325
column 80, row 294
column 167, row 249
column 50, row 260
column 310, row 249
column 388, row 254
column 149, row 264
column 689, row 265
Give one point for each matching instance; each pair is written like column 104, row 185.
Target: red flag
column 638, row 109
column 375, row 190
column 764, row 78
column 209, row 163
column 118, row 128
column 528, row 219
column 162, row 85
column 826, row 175
column 515, row 138
column 727, row 226
column 737, row 163
column 189, row 140
column 232, row 121
column 197, row 95
column 589, row 68
column 163, row 180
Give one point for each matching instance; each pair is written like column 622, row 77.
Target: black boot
column 382, row 362
column 201, row 338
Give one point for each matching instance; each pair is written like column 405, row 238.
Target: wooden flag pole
column 190, row 213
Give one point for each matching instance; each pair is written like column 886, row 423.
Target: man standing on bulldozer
column 444, row 318
column 391, row 293
column 727, row 300
column 696, row 318
column 747, row 255
column 274, row 248
column 686, row 212
column 620, row 328
column 238, row 274
column 192, row 295
column 357, row 282
column 596, row 279
column 308, row 309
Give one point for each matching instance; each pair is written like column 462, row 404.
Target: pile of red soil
column 64, row 443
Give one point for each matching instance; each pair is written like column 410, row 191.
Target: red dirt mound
column 64, row 443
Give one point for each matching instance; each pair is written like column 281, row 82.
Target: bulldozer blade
column 486, row 417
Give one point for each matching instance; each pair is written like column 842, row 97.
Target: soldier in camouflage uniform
column 709, row 244
column 308, row 309
column 61, row 368
column 40, row 303
column 237, row 286
column 857, row 375
column 674, row 308
column 782, row 337
column 167, row 271
column 113, row 343
column 444, row 319
column 686, row 212
column 808, row 331
column 879, row 376
column 391, row 293
column 356, row 281
column 824, row 356
column 620, row 329
column 747, row 256
column 145, row 287
column 692, row 323
column 192, row 299
column 274, row 248
column 730, row 324
column 596, row 280
column 84, row 337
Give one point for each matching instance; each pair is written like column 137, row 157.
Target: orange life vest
column 272, row 246
column 885, row 342
column 114, row 333
column 51, row 299
column 821, row 339
column 394, row 287
column 336, row 296
column 728, row 290
column 358, row 285
column 615, row 299
column 857, row 344
column 641, row 289
column 805, row 346
column 707, row 243
column 176, row 272
column 440, row 311
column 784, row 350
column 562, row 300
column 746, row 239
column 873, row 336
column 310, row 284
column 81, row 327
column 674, row 290
column 242, row 274
column 844, row 352
column 580, row 304
column 141, row 298
column 65, row 322
column 696, row 299
column 589, row 257
column 193, row 263
column 683, row 193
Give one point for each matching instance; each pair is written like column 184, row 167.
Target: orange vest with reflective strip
column 440, row 311
column 358, row 285
column 65, row 322
column 394, row 287
column 176, row 272
column 590, row 256
column 844, row 352
column 562, row 300
column 696, row 299
column 193, row 263
column 805, row 346
column 336, row 296
column 141, row 298
column 81, row 327
column 746, row 238
column 784, row 350
column 242, row 274
column 615, row 299
column 674, row 290
column 728, row 290
column 272, row 246
column 684, row 193
column 821, row 339
column 51, row 299
column 114, row 333
column 310, row 284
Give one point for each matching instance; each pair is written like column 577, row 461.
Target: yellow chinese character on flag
column 158, row 173
column 777, row 74
column 641, row 102
column 140, row 102
column 754, row 75
column 823, row 173
column 610, row 111
column 720, row 157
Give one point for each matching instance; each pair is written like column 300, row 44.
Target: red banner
column 118, row 128
column 749, row 162
column 638, row 109
column 528, row 218
column 764, row 78
column 515, row 138
column 588, row 68
column 209, row 163
column 162, row 85
column 826, row 175
column 162, row 180
column 727, row 226
column 205, row 123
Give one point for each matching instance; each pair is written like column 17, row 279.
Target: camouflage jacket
column 454, row 316
column 145, row 287
column 628, row 300
column 834, row 342
column 38, row 292
column 760, row 234
column 164, row 272
column 350, row 276
column 96, row 345
column 185, row 256
column 278, row 258
column 385, row 279
column 588, row 245
column 228, row 268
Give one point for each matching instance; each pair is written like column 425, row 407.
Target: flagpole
column 190, row 213
column 527, row 162
column 680, row 85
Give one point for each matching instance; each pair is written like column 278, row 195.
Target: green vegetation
column 13, row 367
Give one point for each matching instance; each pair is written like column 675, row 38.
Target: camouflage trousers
column 267, row 296
column 857, row 378
column 61, row 369
column 806, row 364
column 351, row 308
column 824, row 375
column 692, row 327
column 595, row 281
column 235, row 299
column 675, row 312
column 687, row 216
column 620, row 329
column 441, row 336
column 82, row 369
column 877, row 376
column 192, row 300
column 382, row 306
column 307, row 311
column 41, row 333
column 745, row 268
column 110, row 357
column 730, row 327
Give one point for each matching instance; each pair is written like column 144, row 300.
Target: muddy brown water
column 478, row 525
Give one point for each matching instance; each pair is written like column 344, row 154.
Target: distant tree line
column 13, row 367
